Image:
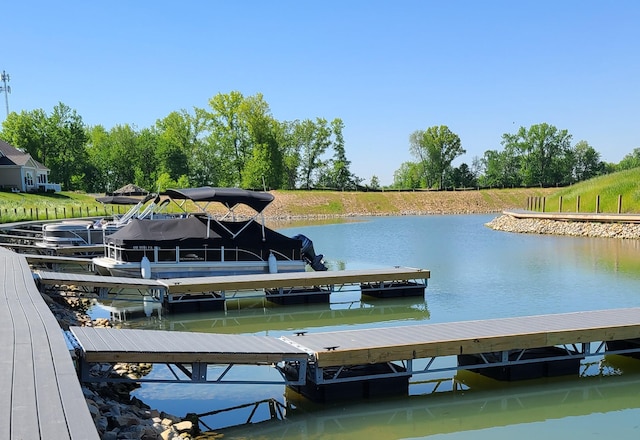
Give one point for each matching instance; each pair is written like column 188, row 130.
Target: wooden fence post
column 560, row 204
column 619, row 203
column 578, row 204
column 597, row 203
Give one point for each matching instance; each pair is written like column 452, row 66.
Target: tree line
column 541, row 155
column 236, row 142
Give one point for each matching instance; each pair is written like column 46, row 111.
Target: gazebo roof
column 130, row 190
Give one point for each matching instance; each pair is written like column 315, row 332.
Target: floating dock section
column 328, row 366
column 211, row 293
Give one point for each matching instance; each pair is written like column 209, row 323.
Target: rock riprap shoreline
column 508, row 223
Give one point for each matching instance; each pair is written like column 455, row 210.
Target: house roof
column 11, row 156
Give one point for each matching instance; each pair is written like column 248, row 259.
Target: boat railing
column 157, row 254
column 85, row 236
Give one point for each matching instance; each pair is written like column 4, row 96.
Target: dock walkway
column 182, row 290
column 363, row 347
column 41, row 394
column 575, row 216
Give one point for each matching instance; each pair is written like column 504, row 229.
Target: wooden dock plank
column 575, row 216
column 59, row 397
column 58, row 278
column 159, row 346
column 56, row 259
column 443, row 339
column 238, row 282
column 45, row 400
column 294, row 279
column 360, row 347
column 7, row 348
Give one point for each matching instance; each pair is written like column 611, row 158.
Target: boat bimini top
column 203, row 196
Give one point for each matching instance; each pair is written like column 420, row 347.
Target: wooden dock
column 296, row 279
column 160, row 346
column 202, row 290
column 41, row 394
column 343, row 349
column 470, row 337
column 575, row 216
column 235, row 282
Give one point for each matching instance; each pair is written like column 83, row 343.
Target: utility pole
column 6, row 89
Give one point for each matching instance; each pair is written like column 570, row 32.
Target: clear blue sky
column 386, row 68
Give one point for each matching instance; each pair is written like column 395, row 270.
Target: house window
column 28, row 179
column 42, row 178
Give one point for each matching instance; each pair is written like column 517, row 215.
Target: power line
column 5, row 88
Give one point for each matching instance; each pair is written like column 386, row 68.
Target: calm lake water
column 476, row 273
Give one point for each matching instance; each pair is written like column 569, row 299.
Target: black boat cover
column 229, row 197
column 182, row 231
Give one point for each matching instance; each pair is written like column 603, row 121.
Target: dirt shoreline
column 297, row 205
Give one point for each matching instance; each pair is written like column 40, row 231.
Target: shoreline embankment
column 621, row 230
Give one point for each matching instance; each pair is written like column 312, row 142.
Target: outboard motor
column 309, row 254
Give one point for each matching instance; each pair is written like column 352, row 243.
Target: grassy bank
column 292, row 204
column 609, row 188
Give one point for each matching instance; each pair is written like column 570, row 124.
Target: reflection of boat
column 91, row 232
column 202, row 245
column 259, row 317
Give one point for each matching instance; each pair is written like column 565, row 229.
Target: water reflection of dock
column 275, row 318
column 455, row 411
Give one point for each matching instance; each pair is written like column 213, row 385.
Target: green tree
column 501, row 169
column 587, row 163
column 546, row 157
column 265, row 167
column 146, row 161
column 237, row 124
column 436, row 148
column 68, row 140
column 27, row 131
column 57, row 141
column 175, row 143
column 631, row 160
column 315, row 138
column 340, row 173
column 427, row 175
column 462, row 177
column 287, row 137
column 408, row 176
column 100, row 158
